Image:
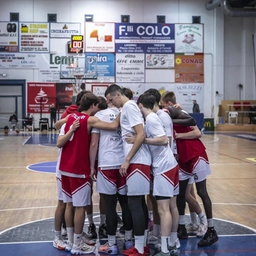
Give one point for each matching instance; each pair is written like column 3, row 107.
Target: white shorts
column 200, row 170
column 138, row 180
column 166, row 184
column 76, row 191
column 110, row 182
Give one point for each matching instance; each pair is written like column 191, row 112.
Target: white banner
column 99, row 37
column 34, row 37
column 186, row 93
column 18, row 60
column 189, row 38
column 8, row 36
column 130, row 68
column 164, row 61
column 64, row 30
column 49, row 67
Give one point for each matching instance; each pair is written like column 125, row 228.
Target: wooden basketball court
column 28, row 196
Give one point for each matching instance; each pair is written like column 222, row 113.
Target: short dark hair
column 127, row 92
column 155, row 93
column 102, row 103
column 169, row 96
column 147, row 100
column 113, row 89
column 87, row 101
column 79, row 96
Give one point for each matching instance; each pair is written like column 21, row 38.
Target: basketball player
column 74, row 140
column 136, row 166
column 110, row 183
column 193, row 163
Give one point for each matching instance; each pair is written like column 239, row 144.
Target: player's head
column 114, row 94
column 146, row 100
column 127, row 92
column 155, row 93
column 102, row 103
column 168, row 99
column 79, row 97
column 89, row 102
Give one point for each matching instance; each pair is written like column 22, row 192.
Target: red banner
column 40, row 96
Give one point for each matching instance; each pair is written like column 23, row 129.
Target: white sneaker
column 192, row 229
column 177, row 243
column 69, row 246
column 59, row 243
column 202, row 230
column 82, row 249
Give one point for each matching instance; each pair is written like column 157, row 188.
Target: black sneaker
column 182, row 232
column 91, row 233
column 209, row 238
column 103, row 231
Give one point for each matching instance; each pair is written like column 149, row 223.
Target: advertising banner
column 64, row 30
column 99, row 37
column 189, row 68
column 163, row 61
column 64, row 94
column 186, row 93
column 40, row 96
column 189, row 38
column 34, row 37
column 18, row 60
column 144, row 38
column 130, row 68
column 103, row 64
column 9, row 37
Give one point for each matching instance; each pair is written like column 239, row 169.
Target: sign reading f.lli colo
column 144, row 38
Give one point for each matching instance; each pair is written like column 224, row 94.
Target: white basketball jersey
column 110, row 153
column 130, row 117
column 162, row 156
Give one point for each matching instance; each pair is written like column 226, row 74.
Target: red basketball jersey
column 75, row 153
column 188, row 149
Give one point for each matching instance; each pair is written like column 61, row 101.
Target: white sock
column 172, row 239
column 202, row 218
column 164, row 244
column 193, row 217
column 139, row 243
column 127, row 235
column 70, row 234
column 77, row 239
column 210, row 223
column 182, row 220
column 111, row 240
column 57, row 234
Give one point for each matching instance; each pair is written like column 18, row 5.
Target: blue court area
column 226, row 246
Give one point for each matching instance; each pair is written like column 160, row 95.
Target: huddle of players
column 125, row 160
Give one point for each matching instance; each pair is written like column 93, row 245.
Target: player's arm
column 195, row 133
column 139, row 139
column 163, row 140
column 60, row 122
column 94, row 121
column 180, row 117
column 62, row 139
column 93, row 153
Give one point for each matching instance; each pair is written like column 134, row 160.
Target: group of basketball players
column 135, row 150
